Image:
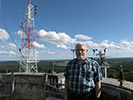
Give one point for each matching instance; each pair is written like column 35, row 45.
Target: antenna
column 100, row 53
column 29, row 1
column 28, row 63
column 73, row 52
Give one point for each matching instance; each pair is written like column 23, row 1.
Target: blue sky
column 60, row 24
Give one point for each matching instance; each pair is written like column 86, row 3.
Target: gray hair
column 81, row 44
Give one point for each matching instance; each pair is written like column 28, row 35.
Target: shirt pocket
column 90, row 75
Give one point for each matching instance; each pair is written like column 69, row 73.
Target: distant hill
column 115, row 63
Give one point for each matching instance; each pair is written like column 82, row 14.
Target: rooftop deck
column 115, row 82
column 44, row 84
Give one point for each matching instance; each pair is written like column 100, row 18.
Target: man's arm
column 66, row 89
column 98, row 89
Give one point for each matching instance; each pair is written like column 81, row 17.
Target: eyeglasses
column 80, row 50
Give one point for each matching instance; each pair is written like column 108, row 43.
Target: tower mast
column 28, row 62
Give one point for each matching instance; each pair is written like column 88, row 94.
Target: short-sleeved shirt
column 82, row 77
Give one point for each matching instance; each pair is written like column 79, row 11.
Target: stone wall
column 26, row 86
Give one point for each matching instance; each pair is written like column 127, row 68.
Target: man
column 82, row 77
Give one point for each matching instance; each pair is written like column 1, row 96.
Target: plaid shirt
column 82, row 77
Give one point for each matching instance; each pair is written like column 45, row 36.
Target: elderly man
column 82, row 77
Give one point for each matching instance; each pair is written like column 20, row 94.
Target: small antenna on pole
column 29, row 1
column 73, row 52
column 101, row 54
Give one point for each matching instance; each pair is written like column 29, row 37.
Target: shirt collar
column 86, row 60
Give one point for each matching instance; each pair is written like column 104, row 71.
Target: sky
column 60, row 24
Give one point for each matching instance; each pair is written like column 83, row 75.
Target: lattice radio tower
column 28, row 60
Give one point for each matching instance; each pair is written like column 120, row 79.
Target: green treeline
column 114, row 70
column 46, row 65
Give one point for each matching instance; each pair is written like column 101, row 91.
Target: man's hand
column 97, row 98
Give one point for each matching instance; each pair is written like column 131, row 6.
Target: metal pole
column 105, row 72
column 12, row 91
column 45, row 76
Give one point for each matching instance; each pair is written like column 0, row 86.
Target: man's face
column 81, row 52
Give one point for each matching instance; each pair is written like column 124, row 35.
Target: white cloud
column 55, row 38
column 62, row 46
column 3, row 47
column 21, row 33
column 106, row 44
column 91, row 44
column 4, row 35
column 55, row 55
column 126, row 45
column 50, row 52
column 64, row 41
column 8, row 46
column 83, row 37
column 37, row 45
column 8, row 52
column 12, row 53
column 8, row 55
column 12, row 45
